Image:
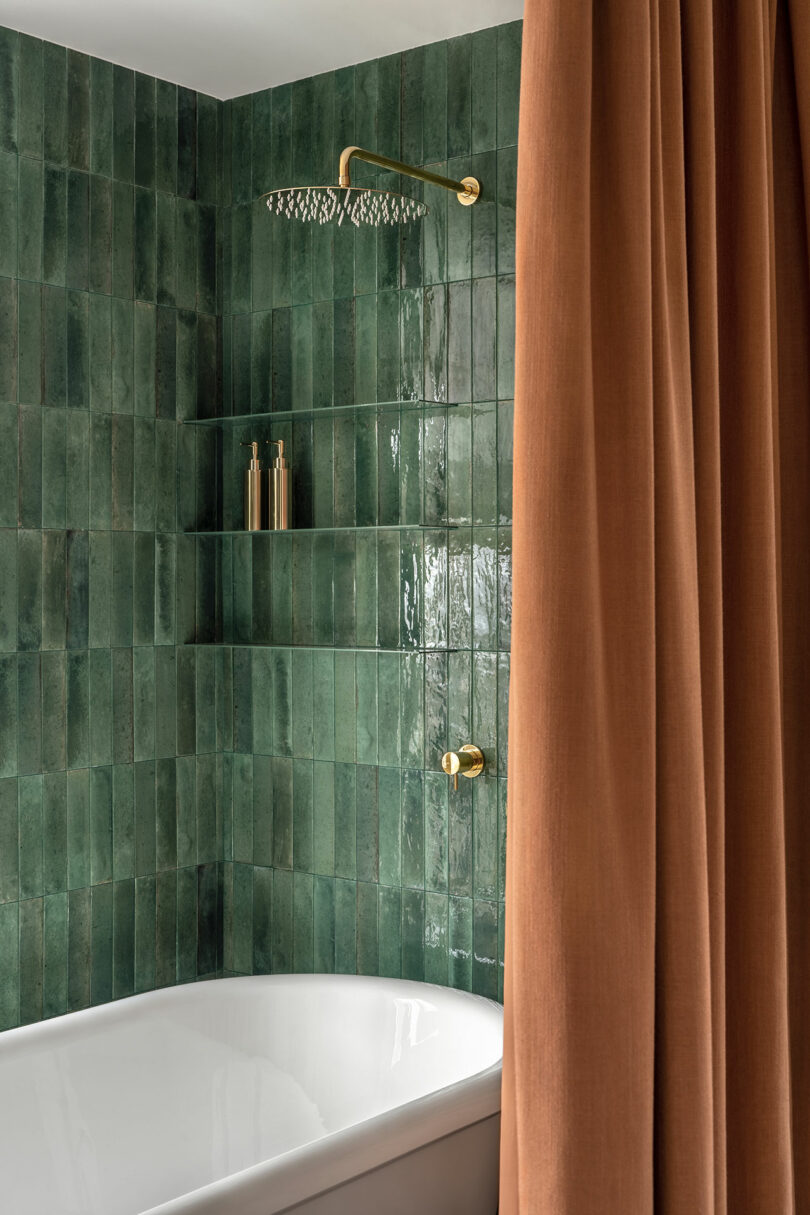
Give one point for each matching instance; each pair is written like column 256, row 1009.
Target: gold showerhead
column 361, row 204
column 325, row 204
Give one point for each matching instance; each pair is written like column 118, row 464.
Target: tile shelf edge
column 324, row 648
column 326, row 411
column 311, row 531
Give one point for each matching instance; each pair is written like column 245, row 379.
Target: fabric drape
column 657, row 991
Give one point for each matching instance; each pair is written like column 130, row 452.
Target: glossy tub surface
column 314, row 1093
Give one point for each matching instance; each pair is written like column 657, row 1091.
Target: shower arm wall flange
column 466, row 191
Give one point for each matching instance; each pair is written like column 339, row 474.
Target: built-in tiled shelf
column 326, row 647
column 328, row 411
column 312, row 531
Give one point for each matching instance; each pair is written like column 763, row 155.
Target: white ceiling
column 230, row 47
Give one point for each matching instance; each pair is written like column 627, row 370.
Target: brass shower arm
column 467, row 190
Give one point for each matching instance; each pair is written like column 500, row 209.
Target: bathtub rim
column 272, row 1186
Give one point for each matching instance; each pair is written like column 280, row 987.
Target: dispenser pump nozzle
column 254, row 455
column 279, row 461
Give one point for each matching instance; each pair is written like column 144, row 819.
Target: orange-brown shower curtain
column 657, row 1047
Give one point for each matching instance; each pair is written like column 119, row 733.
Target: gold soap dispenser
column 253, row 490
column 278, row 490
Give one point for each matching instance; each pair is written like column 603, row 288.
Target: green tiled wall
column 110, row 739
column 169, row 807
column 344, row 846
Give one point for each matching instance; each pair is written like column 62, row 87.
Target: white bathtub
column 323, row 1094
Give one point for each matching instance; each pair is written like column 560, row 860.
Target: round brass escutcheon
column 470, row 195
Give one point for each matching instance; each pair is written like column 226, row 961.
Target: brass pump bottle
column 278, row 486
column 253, row 490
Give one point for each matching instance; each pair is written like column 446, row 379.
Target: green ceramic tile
column 54, row 346
column 77, row 732
column 8, row 213
column 100, row 707
column 413, row 829
column 461, row 943
column 29, row 114
column 145, row 243
column 166, row 136
column 186, row 924
column 123, row 124
column 53, row 710
column 143, row 693
column 101, row 117
column 9, row 842
column 78, row 110
column 55, row 956
column 77, row 488
column 29, row 382
column 145, row 819
column 145, row 130
column 324, row 925
column 78, row 349
column 122, row 724
column 31, row 927
column 208, row 134
column 123, row 968
column 101, row 471
column 55, row 126
column 506, row 337
column 100, row 323
column 390, row 931
column 77, row 829
column 123, row 239
column 31, row 836
column 437, row 955
column 8, row 590
column 282, row 944
column 29, row 590
column 262, row 960
column 345, row 927
column 31, row 202
column 30, row 470
column 9, row 965
column 8, row 339
column 79, row 949
column 145, row 924
column 54, row 590
column 166, row 928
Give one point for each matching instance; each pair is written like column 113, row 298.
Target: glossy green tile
column 9, row 965
column 31, row 836
column 9, row 88
column 54, row 695
column 55, row 958
column 166, row 136
column 9, row 842
column 31, row 930
column 101, row 943
column 77, row 733
column 145, row 130
column 8, row 339
column 54, row 590
column 8, row 213
column 101, row 117
column 145, row 925
column 461, row 943
column 30, row 232
column 79, row 949
column 29, row 113
column 77, row 324
column 54, row 346
column 78, row 110
column 55, row 125
column 29, row 381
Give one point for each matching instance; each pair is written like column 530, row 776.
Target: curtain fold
column 657, row 998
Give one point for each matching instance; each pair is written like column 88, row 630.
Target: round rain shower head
column 334, row 204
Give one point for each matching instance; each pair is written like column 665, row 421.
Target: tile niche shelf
column 315, row 531
column 326, row 411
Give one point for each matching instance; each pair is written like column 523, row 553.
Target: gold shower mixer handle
column 468, row 760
